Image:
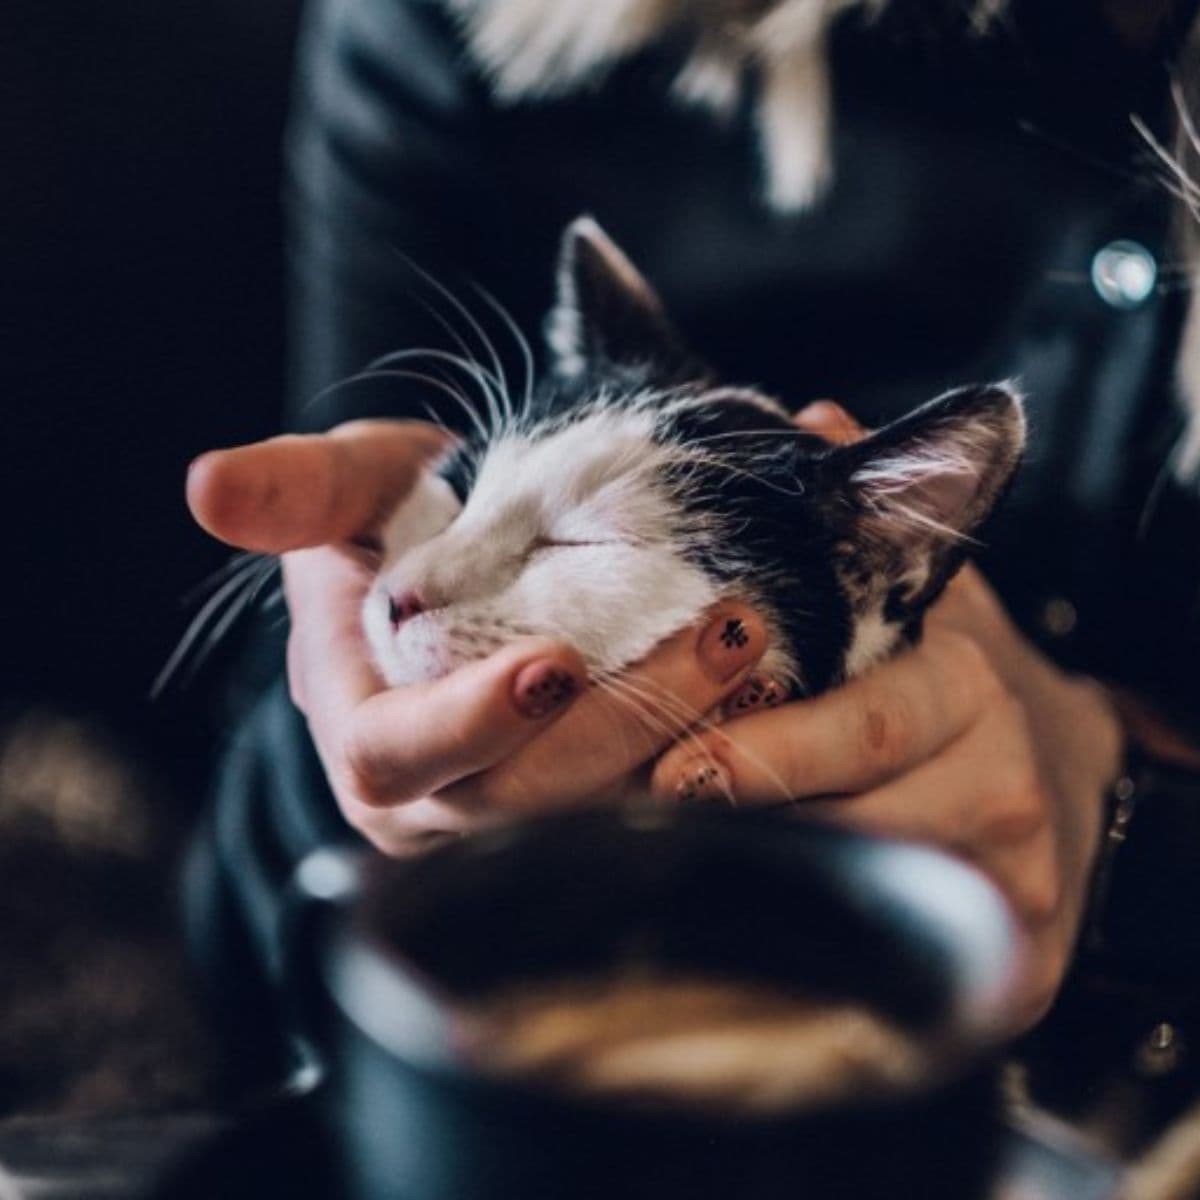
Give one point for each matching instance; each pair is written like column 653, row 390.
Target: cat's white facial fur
column 639, row 492
column 568, row 534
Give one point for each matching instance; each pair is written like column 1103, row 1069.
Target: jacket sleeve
column 386, row 168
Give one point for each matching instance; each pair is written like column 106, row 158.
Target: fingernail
column 541, row 688
column 702, row 781
column 730, row 642
column 758, row 692
column 828, row 420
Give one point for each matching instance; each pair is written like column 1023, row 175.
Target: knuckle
column 1040, row 987
column 1021, row 808
column 485, row 792
column 356, row 773
column 1041, row 890
column 970, row 662
column 488, row 793
column 1042, row 898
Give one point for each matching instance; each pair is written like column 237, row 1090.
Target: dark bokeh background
column 140, row 323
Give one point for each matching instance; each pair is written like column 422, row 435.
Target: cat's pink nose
column 400, row 608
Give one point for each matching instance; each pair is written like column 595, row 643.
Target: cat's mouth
column 422, row 649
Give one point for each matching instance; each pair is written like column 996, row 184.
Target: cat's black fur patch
column 828, row 542
column 460, row 467
column 774, row 544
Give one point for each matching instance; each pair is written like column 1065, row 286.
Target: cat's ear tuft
column 606, row 315
column 918, row 489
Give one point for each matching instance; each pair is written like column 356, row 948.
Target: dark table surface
column 120, row 1158
column 51, row 1158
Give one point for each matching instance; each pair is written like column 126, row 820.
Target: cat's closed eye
column 549, row 543
column 632, row 491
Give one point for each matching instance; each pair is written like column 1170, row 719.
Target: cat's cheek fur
column 615, row 602
column 425, row 512
column 422, row 650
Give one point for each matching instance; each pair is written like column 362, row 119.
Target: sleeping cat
column 624, row 497
column 633, row 490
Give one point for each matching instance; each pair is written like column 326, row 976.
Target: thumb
column 306, row 490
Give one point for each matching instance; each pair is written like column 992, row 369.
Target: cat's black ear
column 607, row 317
column 911, row 495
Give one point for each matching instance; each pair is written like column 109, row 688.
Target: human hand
column 411, row 765
column 971, row 741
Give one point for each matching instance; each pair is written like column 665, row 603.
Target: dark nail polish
column 541, row 688
column 703, row 782
column 729, row 643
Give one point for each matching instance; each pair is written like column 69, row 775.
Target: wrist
column 1144, row 882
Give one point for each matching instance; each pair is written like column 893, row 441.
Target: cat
column 633, row 490
column 623, row 498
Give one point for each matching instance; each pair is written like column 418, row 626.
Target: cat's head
column 634, row 490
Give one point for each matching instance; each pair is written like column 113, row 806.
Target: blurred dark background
column 140, row 323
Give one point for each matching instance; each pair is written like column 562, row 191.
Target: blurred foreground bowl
column 392, row 950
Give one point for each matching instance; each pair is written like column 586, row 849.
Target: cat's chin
column 418, row 653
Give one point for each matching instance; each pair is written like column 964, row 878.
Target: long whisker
column 522, row 344
column 242, row 561
column 1184, row 111
column 682, row 719
column 475, row 371
column 431, row 380
column 625, row 692
column 615, row 700
column 492, row 388
column 463, row 311
column 237, row 592
column 1188, row 191
column 700, row 722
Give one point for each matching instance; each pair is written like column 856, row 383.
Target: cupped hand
column 972, row 741
column 513, row 733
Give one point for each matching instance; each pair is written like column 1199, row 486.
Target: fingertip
column 732, row 641
column 691, row 774
column 546, row 679
column 219, row 493
column 830, row 421
column 664, row 777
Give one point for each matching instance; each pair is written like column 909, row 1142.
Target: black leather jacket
column 975, row 185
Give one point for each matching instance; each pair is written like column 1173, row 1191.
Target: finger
column 304, row 490
column 981, row 800
column 829, row 421
column 403, row 743
column 413, row 828
column 963, row 802
column 622, row 723
column 853, row 738
column 329, row 666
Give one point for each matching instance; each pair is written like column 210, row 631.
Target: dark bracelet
column 1119, row 809
column 1142, row 923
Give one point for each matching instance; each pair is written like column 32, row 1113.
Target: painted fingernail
column 541, row 688
column 703, row 781
column 730, row 642
column 759, row 691
column 830, row 421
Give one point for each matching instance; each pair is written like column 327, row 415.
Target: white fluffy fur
column 874, row 638
column 565, row 329
column 567, row 535
column 571, row 532
column 537, row 48
column 929, row 485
